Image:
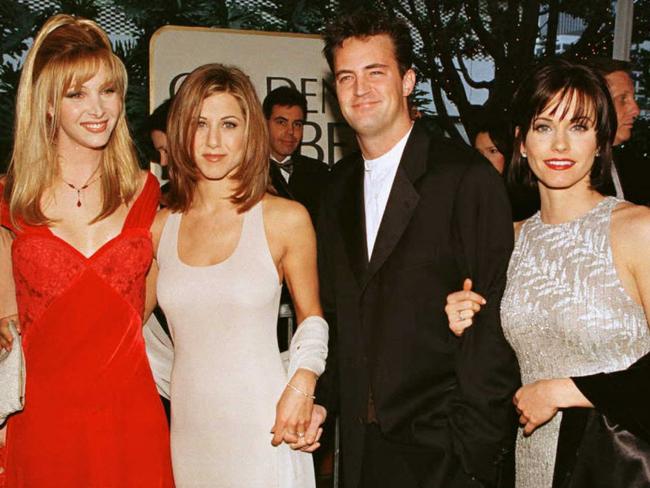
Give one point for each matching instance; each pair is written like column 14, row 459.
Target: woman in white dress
column 224, row 245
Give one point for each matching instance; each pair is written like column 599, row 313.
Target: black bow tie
column 287, row 166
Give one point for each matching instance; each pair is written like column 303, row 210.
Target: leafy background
column 447, row 33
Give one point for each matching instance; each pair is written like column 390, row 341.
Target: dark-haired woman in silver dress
column 578, row 295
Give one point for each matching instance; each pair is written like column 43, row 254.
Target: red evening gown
column 92, row 415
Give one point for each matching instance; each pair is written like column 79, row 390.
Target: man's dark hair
column 158, row 118
column 363, row 24
column 156, row 121
column 606, row 66
column 285, row 96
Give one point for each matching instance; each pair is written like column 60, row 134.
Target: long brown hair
column 66, row 51
column 253, row 171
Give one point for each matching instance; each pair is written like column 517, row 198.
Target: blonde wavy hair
column 67, row 52
column 253, row 171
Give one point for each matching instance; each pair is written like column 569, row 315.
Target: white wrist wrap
column 308, row 348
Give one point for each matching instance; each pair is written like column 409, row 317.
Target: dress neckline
column 537, row 218
column 228, row 258
column 147, row 184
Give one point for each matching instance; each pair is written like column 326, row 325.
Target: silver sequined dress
column 565, row 313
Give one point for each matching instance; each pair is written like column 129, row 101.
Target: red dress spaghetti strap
column 92, row 415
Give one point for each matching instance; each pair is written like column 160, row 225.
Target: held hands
column 297, row 419
column 6, row 338
column 310, row 442
column 462, row 306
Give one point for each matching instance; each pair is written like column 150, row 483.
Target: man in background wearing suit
column 403, row 222
column 293, row 175
column 630, row 174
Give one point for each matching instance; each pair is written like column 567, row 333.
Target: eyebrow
column 582, row 117
column 573, row 119
column 375, row 65
column 365, row 68
column 221, row 118
column 281, row 118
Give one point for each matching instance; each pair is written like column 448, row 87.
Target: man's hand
column 462, row 306
column 310, row 442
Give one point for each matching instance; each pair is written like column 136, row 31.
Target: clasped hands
column 536, row 403
column 297, row 419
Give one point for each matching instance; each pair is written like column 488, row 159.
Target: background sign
column 271, row 60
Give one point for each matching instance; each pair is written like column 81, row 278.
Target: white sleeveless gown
column 227, row 375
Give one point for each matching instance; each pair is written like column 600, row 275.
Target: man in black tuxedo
column 293, row 175
column 403, row 222
column 630, row 174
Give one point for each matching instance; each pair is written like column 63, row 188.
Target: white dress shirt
column 377, row 182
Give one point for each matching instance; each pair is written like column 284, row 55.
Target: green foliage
column 81, row 8
column 447, row 32
column 17, row 24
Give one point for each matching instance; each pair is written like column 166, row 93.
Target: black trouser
column 387, row 464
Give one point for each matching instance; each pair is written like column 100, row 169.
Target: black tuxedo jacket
column 607, row 446
column 447, row 218
column 306, row 184
column 633, row 173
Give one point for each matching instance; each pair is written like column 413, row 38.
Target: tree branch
column 551, row 26
column 468, row 79
column 441, row 109
column 451, row 82
column 492, row 47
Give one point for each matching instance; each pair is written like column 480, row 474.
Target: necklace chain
column 81, row 188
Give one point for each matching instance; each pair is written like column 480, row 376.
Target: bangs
column 569, row 102
column 75, row 68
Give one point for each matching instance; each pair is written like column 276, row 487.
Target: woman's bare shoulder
column 284, row 212
column 631, row 221
column 159, row 223
column 143, row 176
column 517, row 227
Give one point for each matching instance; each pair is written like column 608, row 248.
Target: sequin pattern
column 565, row 313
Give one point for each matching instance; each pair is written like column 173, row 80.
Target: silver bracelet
column 298, row 390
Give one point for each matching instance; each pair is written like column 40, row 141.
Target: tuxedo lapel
column 279, row 183
column 353, row 223
column 402, row 200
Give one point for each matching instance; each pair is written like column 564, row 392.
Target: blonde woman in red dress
column 76, row 212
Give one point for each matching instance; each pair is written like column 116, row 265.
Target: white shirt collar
column 283, row 161
column 378, row 181
column 382, row 166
